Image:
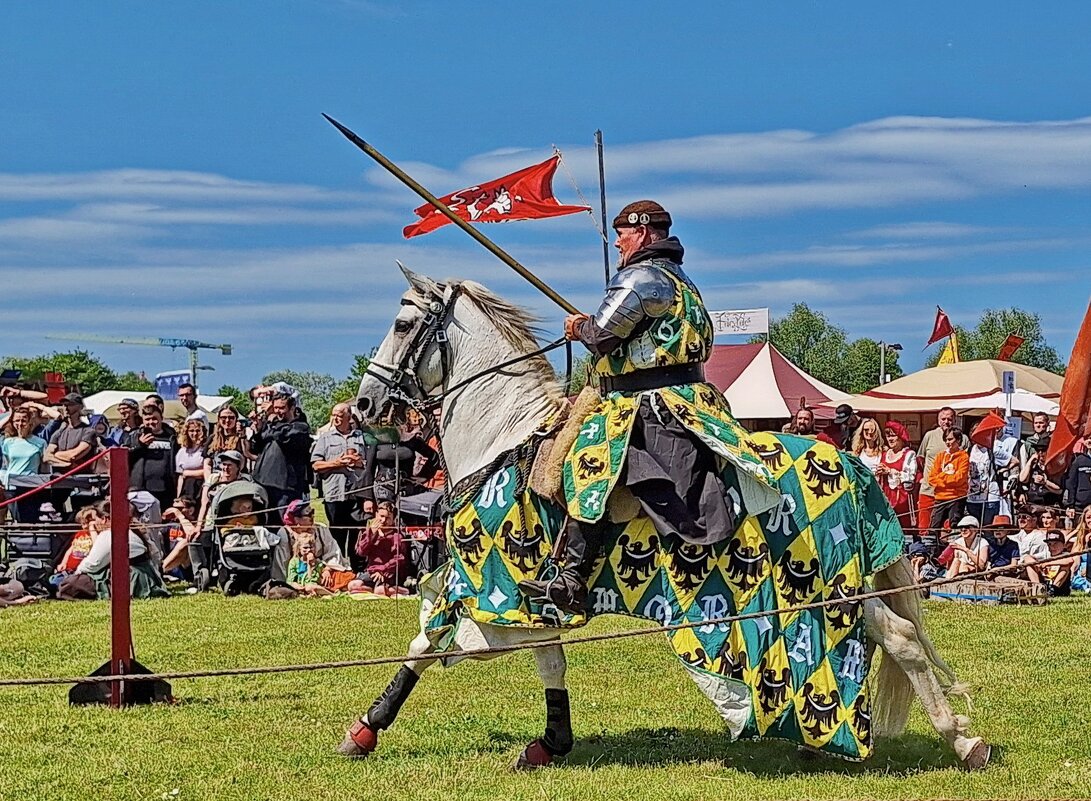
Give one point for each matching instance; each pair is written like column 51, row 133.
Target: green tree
column 240, row 398
column 78, row 367
column 810, row 341
column 315, row 392
column 987, row 337
column 135, row 382
column 346, row 390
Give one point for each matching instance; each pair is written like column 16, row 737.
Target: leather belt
column 653, row 378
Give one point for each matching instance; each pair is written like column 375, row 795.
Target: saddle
column 546, row 473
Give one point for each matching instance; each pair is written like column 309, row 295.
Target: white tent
column 106, row 402
column 1022, row 402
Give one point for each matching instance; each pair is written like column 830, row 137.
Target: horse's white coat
column 497, row 413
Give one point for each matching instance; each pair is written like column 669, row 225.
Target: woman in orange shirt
column 950, row 475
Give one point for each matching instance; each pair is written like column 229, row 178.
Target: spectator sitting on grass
column 971, row 552
column 89, row 521
column 1080, row 540
column 335, row 573
column 1056, row 575
column 1030, row 539
column 384, row 553
column 182, row 513
column 305, row 569
column 1003, row 550
column 92, row 576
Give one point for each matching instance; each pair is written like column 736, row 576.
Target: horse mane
column 520, row 327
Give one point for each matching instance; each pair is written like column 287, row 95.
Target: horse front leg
column 363, row 737
column 899, row 640
column 557, row 739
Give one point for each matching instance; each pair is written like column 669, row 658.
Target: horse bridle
column 402, row 381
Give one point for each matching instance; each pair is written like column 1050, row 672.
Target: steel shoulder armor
column 635, row 294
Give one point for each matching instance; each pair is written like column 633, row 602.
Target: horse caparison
column 495, row 414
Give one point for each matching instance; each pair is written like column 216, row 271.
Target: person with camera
column 152, row 451
column 281, row 442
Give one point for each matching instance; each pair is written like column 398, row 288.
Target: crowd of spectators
column 262, row 469
column 196, row 483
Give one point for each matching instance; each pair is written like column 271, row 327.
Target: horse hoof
column 534, row 756
column 978, row 757
column 359, row 741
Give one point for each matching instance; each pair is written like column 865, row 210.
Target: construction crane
column 192, row 345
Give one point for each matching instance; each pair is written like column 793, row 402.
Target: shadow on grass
column 906, row 755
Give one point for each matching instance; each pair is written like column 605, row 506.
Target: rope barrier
column 502, row 649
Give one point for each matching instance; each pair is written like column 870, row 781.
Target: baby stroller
column 243, row 550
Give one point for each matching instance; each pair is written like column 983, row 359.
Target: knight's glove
column 572, row 324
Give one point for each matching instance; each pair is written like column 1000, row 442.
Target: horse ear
column 420, row 283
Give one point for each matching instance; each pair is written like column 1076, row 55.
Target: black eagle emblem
column 690, row 564
column 468, row 544
column 823, row 477
column 683, row 414
column 861, row 717
column 635, row 564
column 522, row 548
column 728, row 664
column 694, row 350
column 625, row 414
column 708, row 397
column 846, row 611
column 772, row 455
column 663, row 360
column 588, row 466
column 772, row 687
column 819, row 710
column 698, row 658
column 796, row 579
column 745, row 564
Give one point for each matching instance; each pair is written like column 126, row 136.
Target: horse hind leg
column 363, row 736
column 901, row 644
column 557, row 740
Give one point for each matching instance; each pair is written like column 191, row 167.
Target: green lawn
column 643, row 730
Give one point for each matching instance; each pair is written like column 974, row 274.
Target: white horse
column 493, row 414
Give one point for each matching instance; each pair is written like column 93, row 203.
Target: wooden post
column 121, row 632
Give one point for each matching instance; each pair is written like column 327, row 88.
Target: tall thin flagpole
column 602, row 207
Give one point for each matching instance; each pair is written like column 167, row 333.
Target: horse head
column 407, row 365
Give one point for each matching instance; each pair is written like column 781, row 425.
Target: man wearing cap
column 1057, row 573
column 129, row 410
column 845, row 423
column 651, row 335
column 970, row 551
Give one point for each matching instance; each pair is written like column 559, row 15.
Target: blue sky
column 165, row 169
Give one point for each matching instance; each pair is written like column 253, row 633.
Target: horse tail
column 894, row 692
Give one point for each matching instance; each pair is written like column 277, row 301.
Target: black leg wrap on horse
column 558, row 732
column 385, row 709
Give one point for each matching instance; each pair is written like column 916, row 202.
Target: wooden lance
column 432, row 200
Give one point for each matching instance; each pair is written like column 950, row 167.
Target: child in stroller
column 243, row 549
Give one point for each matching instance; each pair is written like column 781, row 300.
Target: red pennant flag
column 942, row 328
column 985, row 432
column 1011, row 344
column 1074, row 418
column 523, row 195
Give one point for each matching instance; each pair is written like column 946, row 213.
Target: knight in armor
column 651, row 333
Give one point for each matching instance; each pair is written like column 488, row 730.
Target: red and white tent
column 760, row 383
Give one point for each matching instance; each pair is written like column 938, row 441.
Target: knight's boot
column 567, row 591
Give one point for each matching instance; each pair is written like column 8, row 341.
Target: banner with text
column 737, row 322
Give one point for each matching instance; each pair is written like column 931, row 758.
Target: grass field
column 643, row 730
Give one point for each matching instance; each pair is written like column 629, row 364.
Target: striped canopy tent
column 761, row 384
column 972, row 385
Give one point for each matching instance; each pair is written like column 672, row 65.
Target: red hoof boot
column 534, row 756
column 359, row 741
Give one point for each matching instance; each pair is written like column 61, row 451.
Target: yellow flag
column 950, row 351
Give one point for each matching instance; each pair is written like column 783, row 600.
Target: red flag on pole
column 1074, row 418
column 523, row 195
column 942, row 328
column 1011, row 344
